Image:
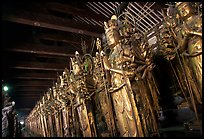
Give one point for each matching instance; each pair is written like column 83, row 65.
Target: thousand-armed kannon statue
column 115, row 93
column 181, row 43
column 132, row 85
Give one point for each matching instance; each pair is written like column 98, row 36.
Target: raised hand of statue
column 106, row 63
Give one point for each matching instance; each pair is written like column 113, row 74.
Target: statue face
column 112, row 34
column 75, row 66
column 184, row 9
column 111, row 40
column 76, row 69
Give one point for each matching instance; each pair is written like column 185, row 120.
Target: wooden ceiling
column 38, row 39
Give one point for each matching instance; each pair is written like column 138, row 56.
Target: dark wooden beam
column 32, row 92
column 36, row 76
column 40, row 66
column 28, row 95
column 23, row 96
column 9, row 76
column 159, row 6
column 59, row 37
column 30, row 88
column 52, row 22
column 70, row 10
column 34, row 83
column 42, row 49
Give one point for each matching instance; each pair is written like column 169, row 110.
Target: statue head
column 170, row 12
column 172, row 17
column 75, row 65
column 112, row 32
column 76, row 54
column 184, row 9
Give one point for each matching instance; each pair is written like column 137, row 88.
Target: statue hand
column 106, row 63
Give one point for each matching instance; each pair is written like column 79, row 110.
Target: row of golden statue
column 114, row 93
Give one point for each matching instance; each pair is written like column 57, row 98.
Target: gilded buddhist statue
column 129, row 69
column 189, row 37
column 102, row 97
column 184, row 26
column 79, row 89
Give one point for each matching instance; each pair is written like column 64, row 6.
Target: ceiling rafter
column 29, row 88
column 65, row 38
column 70, row 10
column 39, row 66
column 31, row 82
column 42, row 49
column 52, row 22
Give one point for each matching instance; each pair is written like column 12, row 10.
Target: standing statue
column 73, row 122
column 88, row 68
column 189, row 37
column 78, row 88
column 57, row 113
column 50, row 110
column 47, row 111
column 106, row 122
column 181, row 43
column 7, row 118
column 65, row 99
column 184, row 24
column 133, row 93
column 133, row 89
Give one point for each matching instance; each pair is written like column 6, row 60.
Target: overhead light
column 13, row 103
column 21, row 122
column 5, row 88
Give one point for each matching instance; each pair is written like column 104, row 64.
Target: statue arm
column 195, row 33
column 108, row 67
column 117, row 71
column 184, row 42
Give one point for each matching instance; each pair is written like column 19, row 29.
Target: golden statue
column 64, row 98
column 74, row 123
column 57, row 110
column 79, row 90
column 125, row 63
column 185, row 26
column 189, row 37
column 102, row 98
